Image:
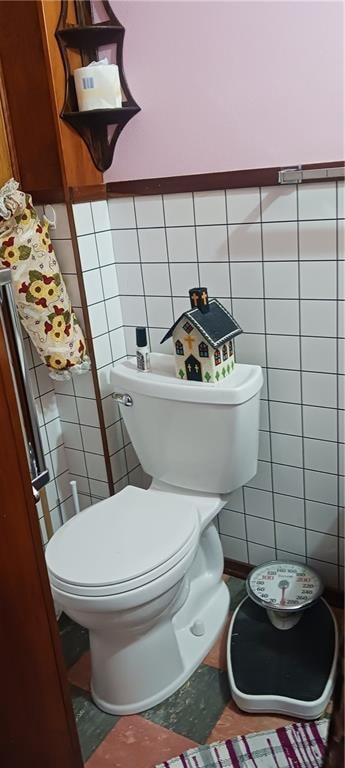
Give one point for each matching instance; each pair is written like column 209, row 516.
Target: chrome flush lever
column 123, row 399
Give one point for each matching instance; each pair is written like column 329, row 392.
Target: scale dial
column 284, row 587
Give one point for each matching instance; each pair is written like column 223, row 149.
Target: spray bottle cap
column 141, row 337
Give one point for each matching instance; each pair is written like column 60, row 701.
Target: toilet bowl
column 142, row 570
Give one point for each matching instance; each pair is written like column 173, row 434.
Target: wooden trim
column 34, row 680
column 88, row 193
column 235, row 568
column 251, row 177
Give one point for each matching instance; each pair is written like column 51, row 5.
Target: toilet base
column 190, row 649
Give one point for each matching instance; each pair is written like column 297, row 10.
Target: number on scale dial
column 284, row 586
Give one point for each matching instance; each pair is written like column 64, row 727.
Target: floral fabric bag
column 40, row 293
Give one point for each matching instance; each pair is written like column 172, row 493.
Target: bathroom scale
column 283, row 643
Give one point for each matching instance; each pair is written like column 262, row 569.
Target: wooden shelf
column 90, row 36
column 100, row 117
column 92, row 125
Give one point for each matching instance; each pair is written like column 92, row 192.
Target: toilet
column 142, row 570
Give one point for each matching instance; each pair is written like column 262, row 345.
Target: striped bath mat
column 300, row 745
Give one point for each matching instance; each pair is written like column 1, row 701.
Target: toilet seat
column 122, row 543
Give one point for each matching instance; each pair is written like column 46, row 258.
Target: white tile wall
column 271, row 254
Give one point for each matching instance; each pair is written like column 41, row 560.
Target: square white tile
column 258, row 503
column 282, row 316
column 216, row 279
column 149, row 211
column 93, row 286
column 235, row 500
column 100, row 215
column 159, row 311
column 232, row 523
column 67, row 408
column 118, row 465
column 54, row 434
column 59, row 461
column 320, row 454
column 280, row 241
column 88, row 252
column 118, row 344
column 114, row 311
column 183, row 277
column 87, row 412
column 318, row 240
column 284, row 385
column 114, row 437
column 322, row 546
column 95, row 465
column 76, row 461
column 102, row 350
column 49, row 406
column 133, row 310
column 105, row 248
column 181, row 243
column 317, row 201
column 258, row 553
column 243, row 205
column 263, row 478
column 210, row 207
column 264, row 453
column 121, row 213
column 318, row 280
column 289, row 509
column 320, row 422
column 71, row 435
column 83, row 218
column 245, row 242
column 320, row 486
column 322, row 517
column 99, row 489
column 319, row 354
column 341, row 319
column 281, row 280
column 156, row 280
column 264, row 424
column 156, row 336
column 64, row 252
column 178, row 209
column 286, row 418
column 341, row 199
column 125, row 245
column 283, row 351
column 341, row 238
column 98, row 319
column 235, row 549
column 260, row 531
column 288, row 480
column 246, row 280
column 131, row 458
column 319, row 389
column 153, row 244
column 287, row 449
column 249, row 314
column 212, row 243
column 109, row 281
column 318, row 318
column 129, row 279
column 250, row 348
column 279, row 203
column 72, row 286
column 290, row 538
column 341, row 280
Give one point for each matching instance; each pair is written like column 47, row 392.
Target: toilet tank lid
column 243, row 383
column 122, row 538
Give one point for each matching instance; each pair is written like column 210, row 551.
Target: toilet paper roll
column 98, row 87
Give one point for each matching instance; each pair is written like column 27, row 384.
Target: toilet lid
column 127, row 536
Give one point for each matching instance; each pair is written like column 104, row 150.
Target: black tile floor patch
column 74, row 640
column 93, row 725
column 237, row 589
column 195, row 708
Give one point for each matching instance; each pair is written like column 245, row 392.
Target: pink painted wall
column 230, row 85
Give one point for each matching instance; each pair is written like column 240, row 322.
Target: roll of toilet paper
column 98, row 86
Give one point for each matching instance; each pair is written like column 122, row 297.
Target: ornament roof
column 216, row 325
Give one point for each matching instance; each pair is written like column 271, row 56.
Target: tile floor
column 200, row 712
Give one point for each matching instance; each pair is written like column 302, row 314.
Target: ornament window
column 187, row 327
column 203, row 349
column 217, row 357
column 225, row 352
column 179, row 348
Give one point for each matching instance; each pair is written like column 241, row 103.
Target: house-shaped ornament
column 203, row 340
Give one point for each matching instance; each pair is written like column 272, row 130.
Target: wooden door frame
column 37, row 723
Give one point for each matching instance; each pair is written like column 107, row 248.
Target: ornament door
column 193, row 369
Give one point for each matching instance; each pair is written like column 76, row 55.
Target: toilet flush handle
column 123, row 399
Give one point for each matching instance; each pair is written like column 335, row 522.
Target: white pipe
column 73, row 485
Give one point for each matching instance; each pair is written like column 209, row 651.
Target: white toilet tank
column 202, row 437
